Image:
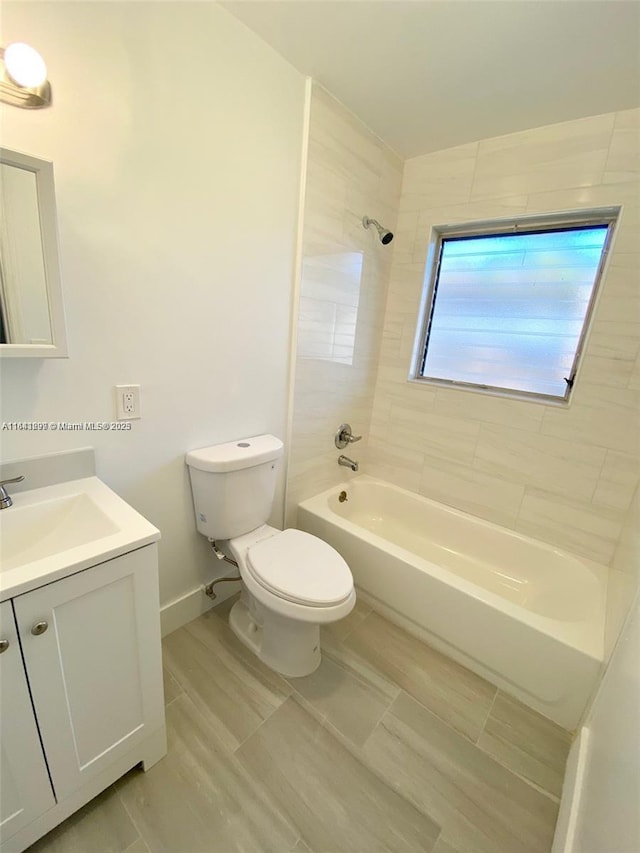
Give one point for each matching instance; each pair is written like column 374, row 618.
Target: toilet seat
column 300, row 568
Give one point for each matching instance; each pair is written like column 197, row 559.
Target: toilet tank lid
column 235, row 455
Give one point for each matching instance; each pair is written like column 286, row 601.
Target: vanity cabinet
column 82, row 697
column 25, row 789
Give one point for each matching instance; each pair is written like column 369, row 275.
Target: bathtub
column 526, row 616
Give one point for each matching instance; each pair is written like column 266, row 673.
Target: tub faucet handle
column 344, row 436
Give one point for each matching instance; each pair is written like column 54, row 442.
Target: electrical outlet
column 127, row 402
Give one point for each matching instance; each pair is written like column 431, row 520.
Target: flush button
column 243, row 444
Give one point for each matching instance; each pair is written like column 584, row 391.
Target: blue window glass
column 508, row 311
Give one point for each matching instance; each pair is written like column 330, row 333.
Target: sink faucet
column 347, row 463
column 5, row 499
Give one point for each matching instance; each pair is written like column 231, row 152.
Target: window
column 508, row 304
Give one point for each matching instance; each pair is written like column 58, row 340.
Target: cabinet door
column 25, row 789
column 95, row 670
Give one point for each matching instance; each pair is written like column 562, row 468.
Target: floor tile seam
column 237, row 669
column 131, row 818
column 256, row 781
column 227, row 656
column 569, row 736
column 223, row 737
column 420, row 807
column 171, row 701
column 260, row 725
column 380, row 718
column 421, row 642
column 354, row 673
column 131, row 846
column 355, row 627
column 445, row 722
column 308, row 706
column 515, row 773
column 486, row 719
column 246, row 776
column 544, row 749
column 493, row 758
column 175, row 678
column 529, row 782
column 284, row 687
column 197, row 701
column 369, row 663
column 358, row 754
column 423, row 809
column 435, row 843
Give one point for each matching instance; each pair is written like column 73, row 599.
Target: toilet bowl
column 293, row 582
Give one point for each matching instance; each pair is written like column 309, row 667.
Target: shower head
column 385, row 236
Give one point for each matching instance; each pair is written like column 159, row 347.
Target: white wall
column 563, row 475
column 176, row 137
column 345, row 269
column 608, row 814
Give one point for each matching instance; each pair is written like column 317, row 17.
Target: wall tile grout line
column 473, row 176
column 611, row 135
column 599, row 477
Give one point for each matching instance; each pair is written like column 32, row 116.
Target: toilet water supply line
column 209, row 587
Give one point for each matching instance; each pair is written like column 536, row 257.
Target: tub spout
column 347, row 463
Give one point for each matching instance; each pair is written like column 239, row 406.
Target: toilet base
column 289, row 647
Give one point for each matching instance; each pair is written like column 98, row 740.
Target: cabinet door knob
column 39, row 628
column 4, row 645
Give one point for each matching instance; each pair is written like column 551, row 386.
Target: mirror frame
column 45, row 189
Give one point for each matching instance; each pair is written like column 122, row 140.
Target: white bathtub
column 524, row 615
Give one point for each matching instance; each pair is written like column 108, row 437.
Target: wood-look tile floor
column 388, row 746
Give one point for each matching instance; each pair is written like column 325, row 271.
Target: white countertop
column 57, row 530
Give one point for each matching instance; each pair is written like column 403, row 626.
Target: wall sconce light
column 23, row 77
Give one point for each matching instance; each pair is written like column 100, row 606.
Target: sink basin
column 40, row 530
column 56, row 530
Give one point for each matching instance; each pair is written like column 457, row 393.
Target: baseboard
column 188, row 607
column 565, row 835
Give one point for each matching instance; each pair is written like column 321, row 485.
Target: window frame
column 557, row 221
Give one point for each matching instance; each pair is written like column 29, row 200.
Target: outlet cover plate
column 127, row 402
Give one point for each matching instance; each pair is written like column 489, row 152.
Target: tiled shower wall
column 563, row 475
column 345, row 270
column 624, row 577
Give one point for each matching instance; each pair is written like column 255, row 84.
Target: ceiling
column 430, row 74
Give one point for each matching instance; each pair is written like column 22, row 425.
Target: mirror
column 31, row 308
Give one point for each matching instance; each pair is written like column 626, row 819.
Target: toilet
column 292, row 582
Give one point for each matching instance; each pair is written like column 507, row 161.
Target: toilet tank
column 233, row 485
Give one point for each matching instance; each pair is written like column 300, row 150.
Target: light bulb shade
column 24, row 65
column 23, row 77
